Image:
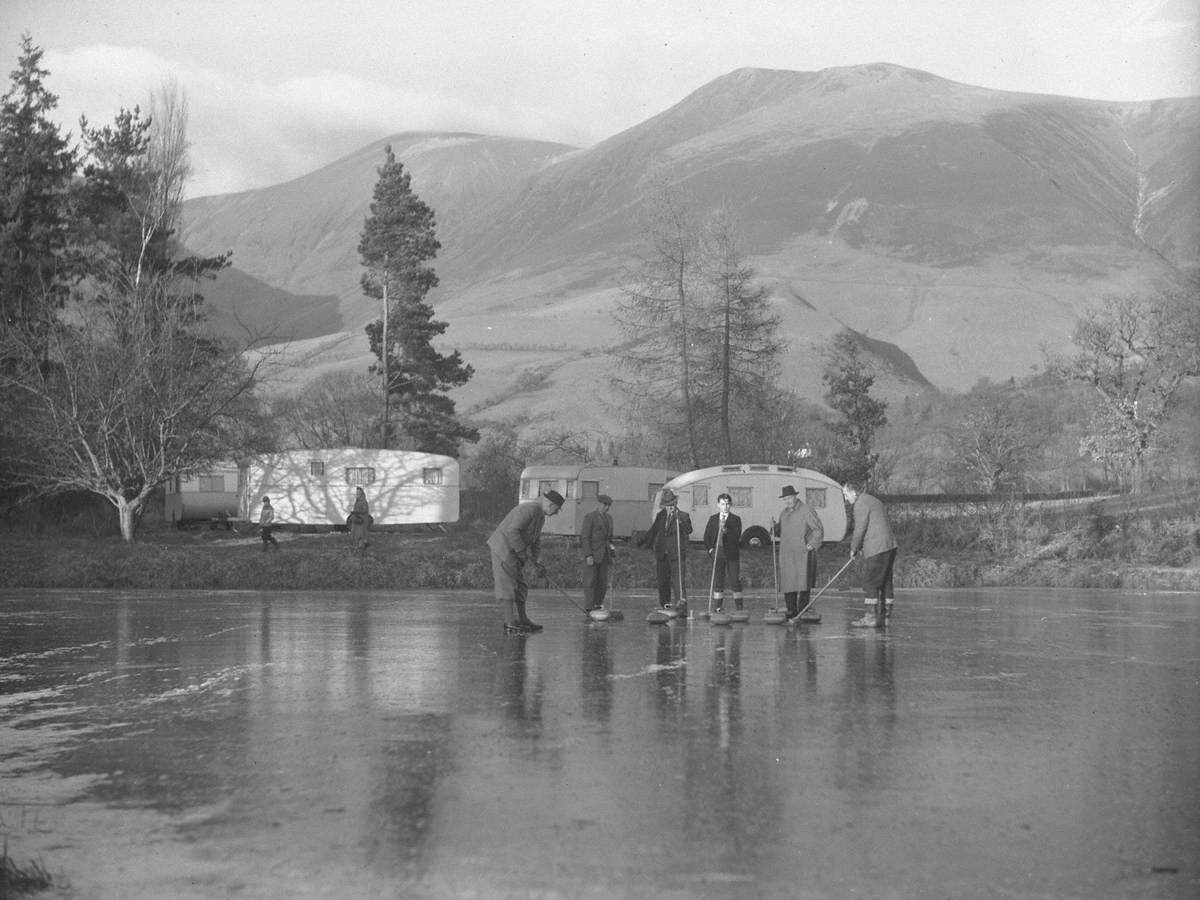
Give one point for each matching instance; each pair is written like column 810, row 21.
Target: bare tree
column 1135, row 354
column 339, row 409
column 121, row 414
column 656, row 313
column 993, row 444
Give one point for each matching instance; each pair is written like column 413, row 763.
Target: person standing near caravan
column 265, row 522
column 360, row 519
column 668, row 537
column 800, row 534
column 516, row 541
column 595, row 540
column 723, row 540
column 872, row 538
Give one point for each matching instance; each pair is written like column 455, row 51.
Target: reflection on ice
column 401, row 744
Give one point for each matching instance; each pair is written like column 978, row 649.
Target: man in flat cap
column 668, row 538
column 596, row 544
column 516, row 541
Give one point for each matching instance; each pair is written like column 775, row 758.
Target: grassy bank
column 942, row 553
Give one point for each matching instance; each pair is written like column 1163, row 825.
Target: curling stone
column 658, row 617
column 775, row 617
column 720, row 618
column 600, row 615
column 739, row 615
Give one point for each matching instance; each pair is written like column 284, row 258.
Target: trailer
column 317, row 487
column 208, row 496
column 632, row 489
column 755, row 490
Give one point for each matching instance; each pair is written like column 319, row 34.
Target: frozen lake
column 989, row 744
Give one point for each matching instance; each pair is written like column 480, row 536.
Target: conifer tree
column 398, row 241
column 741, row 335
column 36, row 166
column 848, row 380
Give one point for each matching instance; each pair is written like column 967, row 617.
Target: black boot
column 524, row 619
column 790, row 600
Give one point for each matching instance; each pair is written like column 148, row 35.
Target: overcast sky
column 277, row 89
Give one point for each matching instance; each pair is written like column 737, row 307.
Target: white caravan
column 756, row 490
column 632, row 489
column 210, row 495
column 317, row 487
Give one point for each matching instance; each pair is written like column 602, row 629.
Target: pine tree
column 849, row 382
column 36, row 166
column 398, row 241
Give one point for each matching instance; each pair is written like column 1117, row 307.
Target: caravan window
column 741, row 496
column 700, row 495
column 316, row 468
column 591, row 490
column 524, row 488
column 543, row 486
column 360, row 474
column 211, row 484
column 815, row 497
column 572, row 490
column 432, row 476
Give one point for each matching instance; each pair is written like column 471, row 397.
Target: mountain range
column 960, row 230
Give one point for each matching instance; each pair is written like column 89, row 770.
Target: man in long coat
column 873, row 538
column 723, row 540
column 800, row 534
column 516, row 541
column 595, row 541
column 668, row 538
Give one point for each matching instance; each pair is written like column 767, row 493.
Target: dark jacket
column 731, row 541
column 662, row 537
column 595, row 536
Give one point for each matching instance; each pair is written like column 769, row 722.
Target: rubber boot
column 793, row 609
column 524, row 619
column 737, row 601
column 512, row 624
column 718, row 599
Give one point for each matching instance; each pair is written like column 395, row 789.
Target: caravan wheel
column 756, row 537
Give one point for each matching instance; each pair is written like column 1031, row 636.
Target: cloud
column 247, row 133
column 1163, row 20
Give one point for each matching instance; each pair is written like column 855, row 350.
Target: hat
column 788, row 491
column 554, row 497
column 668, row 498
column 604, row 500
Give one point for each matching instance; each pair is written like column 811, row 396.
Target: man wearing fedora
column 595, row 540
column 516, row 541
column 668, row 538
column 800, row 534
